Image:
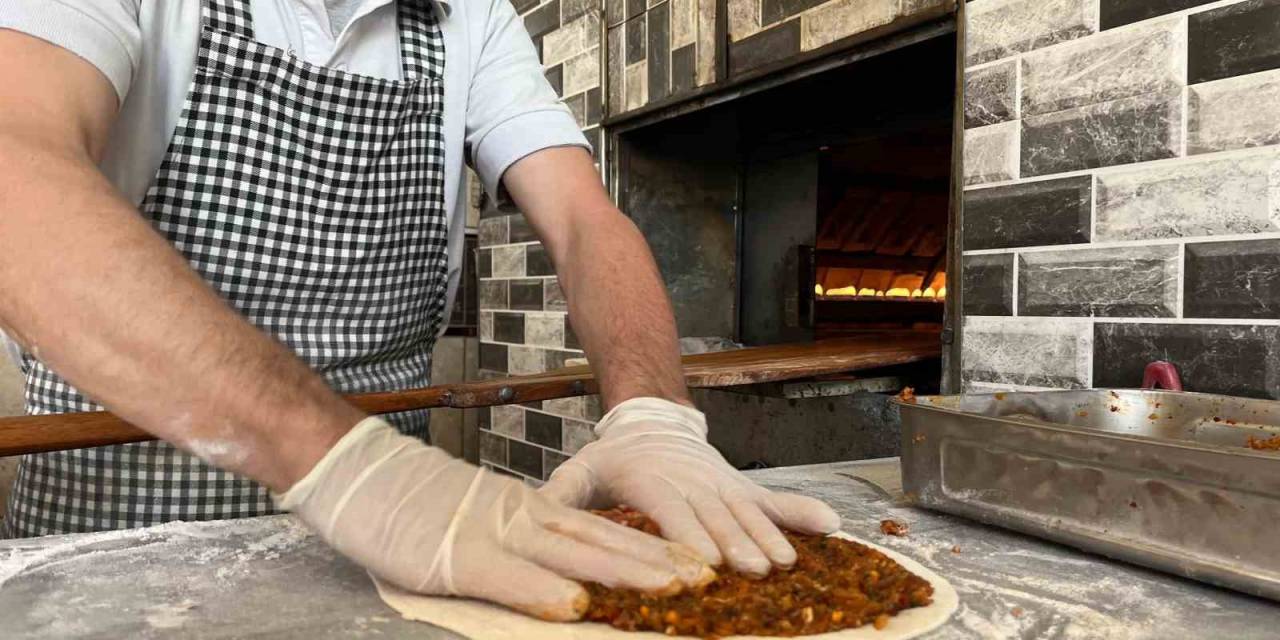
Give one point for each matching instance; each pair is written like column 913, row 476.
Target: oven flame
column 896, row 292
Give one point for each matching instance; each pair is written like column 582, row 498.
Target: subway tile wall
column 1121, row 202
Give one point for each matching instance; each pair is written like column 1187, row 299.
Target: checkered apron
column 313, row 201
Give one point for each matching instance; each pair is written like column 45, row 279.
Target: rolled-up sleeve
column 103, row 32
column 512, row 111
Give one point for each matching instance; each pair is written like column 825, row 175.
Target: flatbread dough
column 483, row 621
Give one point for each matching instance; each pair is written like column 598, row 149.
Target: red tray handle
column 1161, row 375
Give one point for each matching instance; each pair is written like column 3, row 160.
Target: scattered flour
column 169, row 616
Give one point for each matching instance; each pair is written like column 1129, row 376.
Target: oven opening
column 814, row 206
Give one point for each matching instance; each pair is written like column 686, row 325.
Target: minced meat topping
column 835, row 584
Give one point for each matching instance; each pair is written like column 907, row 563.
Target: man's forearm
column 620, row 310
column 89, row 288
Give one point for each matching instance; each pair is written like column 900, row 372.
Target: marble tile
column 522, row 360
column 1140, row 282
column 570, row 9
column 636, row 7
column 659, row 67
column 744, row 18
column 570, row 337
column 684, row 23
column 541, row 428
column 1115, row 13
column 636, row 41
column 770, row 45
column 493, row 357
column 1234, row 113
column 990, row 94
column 706, row 41
column 508, row 327
column 1044, row 212
column 910, row 7
column 543, row 20
column 524, row 458
column 595, row 107
column 544, row 329
column 1106, row 67
column 991, row 153
column 988, row 285
column 493, row 294
column 526, row 295
column 556, row 359
column 492, row 231
column 523, row 6
column 1233, row 40
column 1001, row 28
column 1211, row 197
column 566, row 407
column 520, row 229
column 577, row 108
column 571, row 39
column 555, row 78
column 493, row 448
column 637, row 86
column 617, row 77
column 1040, row 352
column 582, row 72
column 508, row 420
column 484, row 263
column 485, row 328
column 1124, row 131
column 683, row 69
column 577, row 434
column 615, row 11
column 537, row 262
column 551, row 460
column 508, row 261
column 1233, row 280
column 772, row 12
column 842, row 18
column 1239, row 360
column 553, row 299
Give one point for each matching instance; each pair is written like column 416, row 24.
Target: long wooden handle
column 40, row 433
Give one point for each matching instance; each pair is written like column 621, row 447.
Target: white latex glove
column 420, row 519
column 653, row 455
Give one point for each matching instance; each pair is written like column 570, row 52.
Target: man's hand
column 653, row 455
column 429, row 523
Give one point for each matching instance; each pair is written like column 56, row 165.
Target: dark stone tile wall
column 988, row 285
column 543, row 429
column 537, row 262
column 1116, row 13
column 543, row 20
column 508, row 327
column 774, row 11
column 1233, row 279
column 524, row 458
column 683, row 68
column 1046, row 212
column 1233, row 360
column 526, row 295
column 1127, row 137
column 1234, row 40
column 493, row 357
column 635, row 46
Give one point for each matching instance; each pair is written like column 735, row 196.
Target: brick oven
column 1114, row 202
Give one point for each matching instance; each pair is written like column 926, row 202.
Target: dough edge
column 483, row 621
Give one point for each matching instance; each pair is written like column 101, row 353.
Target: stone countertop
column 268, row 577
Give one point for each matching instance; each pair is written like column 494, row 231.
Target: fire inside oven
column 815, row 208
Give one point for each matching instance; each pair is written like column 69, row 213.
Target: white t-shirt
column 498, row 106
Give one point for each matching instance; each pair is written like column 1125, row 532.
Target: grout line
column 1243, row 322
column 1181, row 280
column 1014, row 293
column 1119, row 244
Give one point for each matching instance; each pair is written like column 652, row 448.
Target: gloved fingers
column 801, row 514
column 619, row 540
column 524, row 586
column 678, row 521
column 575, row 559
column 570, row 485
column 763, row 531
column 738, row 549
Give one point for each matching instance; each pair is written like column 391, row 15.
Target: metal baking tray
column 1162, row 479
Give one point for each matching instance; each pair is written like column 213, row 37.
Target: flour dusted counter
column 267, row 577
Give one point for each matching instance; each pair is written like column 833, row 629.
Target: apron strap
column 231, row 16
column 421, row 55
